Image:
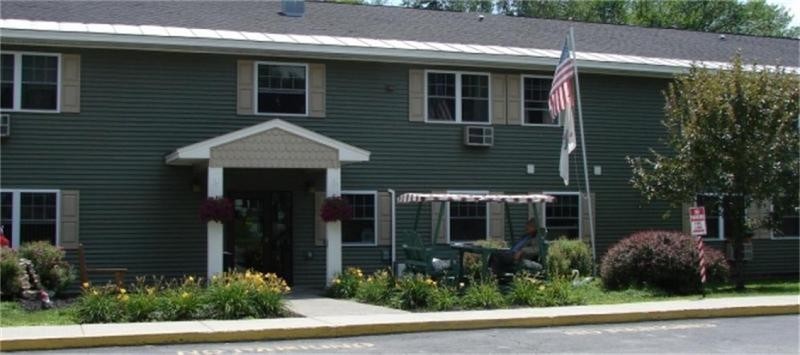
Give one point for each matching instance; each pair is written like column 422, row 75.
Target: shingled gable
column 330, row 27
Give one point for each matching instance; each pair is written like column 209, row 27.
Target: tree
column 733, row 133
column 755, row 17
column 486, row 6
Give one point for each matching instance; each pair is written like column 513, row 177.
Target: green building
column 121, row 118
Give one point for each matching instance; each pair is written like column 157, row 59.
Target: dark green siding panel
column 138, row 106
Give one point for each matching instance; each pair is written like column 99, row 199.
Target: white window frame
column 772, row 231
column 720, row 218
column 458, row 74
column 580, row 209
column 17, row 105
column 16, row 214
column 374, row 194
column 255, row 88
column 447, row 212
column 522, row 101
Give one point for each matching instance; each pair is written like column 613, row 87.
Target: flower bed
column 420, row 292
column 228, row 296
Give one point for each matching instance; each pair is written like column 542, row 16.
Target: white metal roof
column 454, row 197
column 97, row 34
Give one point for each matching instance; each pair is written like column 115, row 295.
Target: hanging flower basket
column 336, row 208
column 217, row 209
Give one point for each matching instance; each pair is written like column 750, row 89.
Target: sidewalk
column 377, row 322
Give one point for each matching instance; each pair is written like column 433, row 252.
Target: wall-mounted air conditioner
column 5, row 125
column 478, row 136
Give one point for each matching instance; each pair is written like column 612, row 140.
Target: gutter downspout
column 394, row 249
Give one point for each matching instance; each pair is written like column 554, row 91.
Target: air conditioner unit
column 478, row 136
column 5, row 125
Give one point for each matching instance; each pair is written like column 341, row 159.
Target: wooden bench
column 419, row 258
column 118, row 272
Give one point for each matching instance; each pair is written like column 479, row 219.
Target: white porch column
column 215, row 230
column 333, row 230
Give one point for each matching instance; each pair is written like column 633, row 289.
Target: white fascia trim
column 202, row 150
column 207, row 40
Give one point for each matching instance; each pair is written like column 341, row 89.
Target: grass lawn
column 595, row 294
column 13, row 315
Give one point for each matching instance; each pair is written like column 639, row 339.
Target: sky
column 793, row 6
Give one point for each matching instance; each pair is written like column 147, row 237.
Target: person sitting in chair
column 521, row 253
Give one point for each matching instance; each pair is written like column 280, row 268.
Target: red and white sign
column 697, row 217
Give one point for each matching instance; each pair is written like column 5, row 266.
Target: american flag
column 561, row 93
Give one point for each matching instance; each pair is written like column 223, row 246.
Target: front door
column 260, row 236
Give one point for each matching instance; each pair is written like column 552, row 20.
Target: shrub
column 443, row 298
column 101, row 305
column 376, row 289
column 346, row 284
column 240, row 295
column 48, row 261
column 528, row 291
column 565, row 255
column 483, row 294
column 413, row 291
column 663, row 259
column 9, row 272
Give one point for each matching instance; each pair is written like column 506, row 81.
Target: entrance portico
column 275, row 144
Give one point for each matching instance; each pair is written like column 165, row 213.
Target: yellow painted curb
column 386, row 328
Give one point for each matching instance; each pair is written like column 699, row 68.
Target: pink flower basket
column 217, row 209
column 335, row 209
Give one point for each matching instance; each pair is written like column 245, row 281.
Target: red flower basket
column 336, row 208
column 218, row 209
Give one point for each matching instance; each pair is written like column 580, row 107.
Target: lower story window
column 718, row 220
column 29, row 216
column 468, row 221
column 789, row 226
column 361, row 228
column 563, row 216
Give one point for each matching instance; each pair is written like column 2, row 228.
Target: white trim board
column 202, row 150
column 17, row 31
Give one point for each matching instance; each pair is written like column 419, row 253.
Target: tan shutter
column 435, row 208
column 319, row 225
column 70, row 213
column 316, row 96
column 498, row 99
column 71, row 83
column 513, row 100
column 497, row 225
column 244, row 88
column 384, row 218
column 586, row 234
column 416, row 95
column 757, row 213
column 685, row 225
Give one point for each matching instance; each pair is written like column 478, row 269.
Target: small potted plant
column 216, row 209
column 336, row 208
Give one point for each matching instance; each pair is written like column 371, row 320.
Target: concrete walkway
column 310, row 303
column 321, row 326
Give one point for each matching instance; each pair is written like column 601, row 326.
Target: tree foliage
column 755, row 17
column 733, row 133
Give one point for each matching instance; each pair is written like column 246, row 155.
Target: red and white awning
column 420, row 197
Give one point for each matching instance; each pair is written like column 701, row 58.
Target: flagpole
column 583, row 152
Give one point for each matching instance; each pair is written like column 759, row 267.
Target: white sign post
column 697, row 217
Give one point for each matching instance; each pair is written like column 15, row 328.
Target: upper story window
column 30, row 81
column 282, row 88
column 457, row 97
column 29, row 215
column 536, row 91
column 563, row 216
column 789, row 226
column 361, row 229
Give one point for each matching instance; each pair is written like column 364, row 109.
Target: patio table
column 484, row 252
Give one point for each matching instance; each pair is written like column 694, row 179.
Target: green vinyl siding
column 138, row 106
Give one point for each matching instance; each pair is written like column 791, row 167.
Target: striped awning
column 424, row 197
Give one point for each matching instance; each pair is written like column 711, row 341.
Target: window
column 563, row 216
column 467, row 221
column 717, row 219
column 536, row 91
column 282, row 88
column 360, row 230
column 30, row 81
column 457, row 97
column 29, row 215
column 789, row 226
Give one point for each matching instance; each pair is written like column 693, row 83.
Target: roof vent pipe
column 293, row 8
